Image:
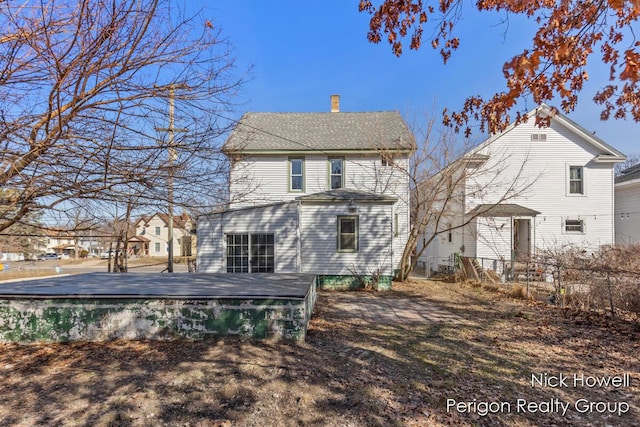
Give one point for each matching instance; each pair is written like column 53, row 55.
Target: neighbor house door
column 522, row 239
column 250, row 253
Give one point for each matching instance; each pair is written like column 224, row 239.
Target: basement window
column 574, row 226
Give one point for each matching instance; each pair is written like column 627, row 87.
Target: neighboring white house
column 69, row 243
column 152, row 236
column 627, row 211
column 321, row 193
column 528, row 189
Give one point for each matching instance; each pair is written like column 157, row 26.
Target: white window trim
column 339, row 249
column 330, row 174
column 290, row 177
column 568, row 180
column 564, row 225
column 249, row 234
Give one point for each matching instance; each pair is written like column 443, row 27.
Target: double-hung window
column 576, row 180
column 336, row 173
column 347, row 234
column 296, row 174
column 157, row 231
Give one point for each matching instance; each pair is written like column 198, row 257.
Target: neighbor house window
column 574, row 225
column 347, row 234
column 157, row 231
column 296, row 174
column 576, row 180
column 538, row 137
column 450, row 233
column 336, row 173
column 157, row 247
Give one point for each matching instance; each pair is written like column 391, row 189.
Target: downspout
column 392, row 236
column 222, row 244
column 298, row 238
column 613, row 207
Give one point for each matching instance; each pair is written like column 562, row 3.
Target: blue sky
column 302, row 52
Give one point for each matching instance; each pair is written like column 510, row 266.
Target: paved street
column 90, row 266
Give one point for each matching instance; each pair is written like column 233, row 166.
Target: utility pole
column 173, row 156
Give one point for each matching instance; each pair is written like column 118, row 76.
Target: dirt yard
column 351, row 371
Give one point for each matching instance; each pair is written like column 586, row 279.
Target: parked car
column 49, row 256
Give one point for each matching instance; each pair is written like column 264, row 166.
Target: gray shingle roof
column 342, row 195
column 384, row 130
column 629, row 174
column 501, row 210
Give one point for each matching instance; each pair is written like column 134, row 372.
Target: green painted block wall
column 29, row 320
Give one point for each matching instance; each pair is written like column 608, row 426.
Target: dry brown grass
column 17, row 274
column 349, row 372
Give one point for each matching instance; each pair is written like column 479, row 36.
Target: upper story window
column 336, row 173
column 157, row 231
column 386, row 159
column 296, row 174
column 576, row 180
column 538, row 137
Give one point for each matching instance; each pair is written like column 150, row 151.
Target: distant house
column 321, row 193
column 152, row 236
column 528, row 189
column 71, row 243
column 627, row 210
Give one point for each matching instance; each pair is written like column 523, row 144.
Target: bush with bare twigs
column 605, row 280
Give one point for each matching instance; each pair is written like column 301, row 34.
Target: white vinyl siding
column 257, row 180
column 627, row 212
column 319, row 236
column 281, row 220
column 539, row 173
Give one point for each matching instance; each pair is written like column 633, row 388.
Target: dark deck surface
column 162, row 285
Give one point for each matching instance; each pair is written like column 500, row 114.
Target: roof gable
column 607, row 153
column 258, row 132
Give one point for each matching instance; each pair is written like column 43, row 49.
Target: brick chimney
column 335, row 103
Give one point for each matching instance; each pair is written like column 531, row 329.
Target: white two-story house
column 152, row 236
column 526, row 190
column 321, row 193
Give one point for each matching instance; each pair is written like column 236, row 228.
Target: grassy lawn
column 349, row 372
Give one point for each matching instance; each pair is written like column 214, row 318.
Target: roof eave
column 326, row 151
column 606, row 158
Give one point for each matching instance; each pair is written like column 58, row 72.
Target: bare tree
column 442, row 176
column 83, row 88
column 632, row 160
